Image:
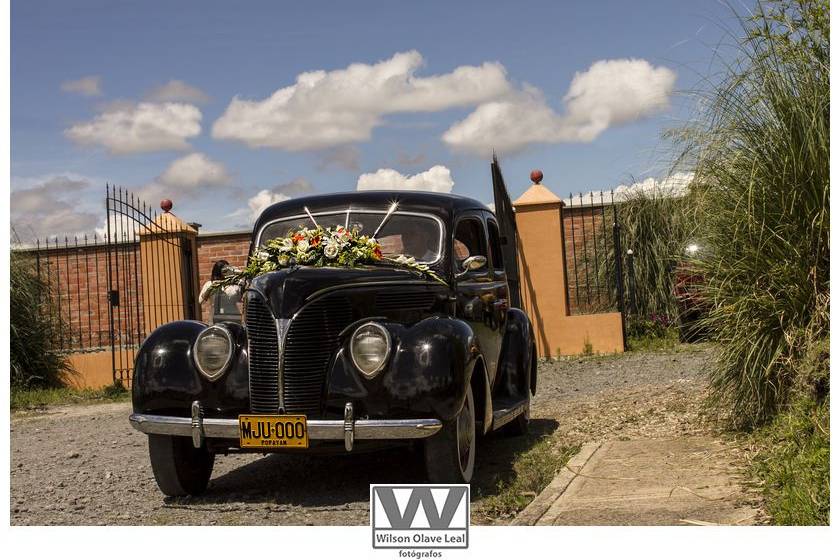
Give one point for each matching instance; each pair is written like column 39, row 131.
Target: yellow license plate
column 287, row 430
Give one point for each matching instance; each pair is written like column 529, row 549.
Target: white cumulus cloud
column 610, row 92
column 53, row 206
column 186, row 177
column 177, row 91
column 436, row 179
column 195, row 170
column 89, row 86
column 323, row 109
column 674, row 185
column 128, row 128
column 279, row 193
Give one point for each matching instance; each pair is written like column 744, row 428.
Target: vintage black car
column 343, row 357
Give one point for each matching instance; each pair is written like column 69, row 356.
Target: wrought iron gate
column 596, row 279
column 151, row 277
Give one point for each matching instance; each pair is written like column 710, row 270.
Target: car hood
column 288, row 290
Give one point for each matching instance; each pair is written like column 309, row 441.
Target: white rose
column 302, row 245
column 262, row 255
column 287, row 244
column 331, row 251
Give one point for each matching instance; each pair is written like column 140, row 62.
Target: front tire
column 179, row 468
column 450, row 453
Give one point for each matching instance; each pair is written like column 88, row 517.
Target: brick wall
column 77, row 279
column 77, row 276
column 80, row 275
column 588, row 244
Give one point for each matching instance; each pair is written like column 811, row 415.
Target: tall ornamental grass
column 656, row 225
column 35, row 361
column 761, row 150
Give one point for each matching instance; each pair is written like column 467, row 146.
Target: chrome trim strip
column 506, row 415
column 197, row 425
column 282, row 331
column 349, row 421
column 441, row 229
column 318, row 429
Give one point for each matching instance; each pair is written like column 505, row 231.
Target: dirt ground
column 84, row 465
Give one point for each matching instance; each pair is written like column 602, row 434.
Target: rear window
column 415, row 235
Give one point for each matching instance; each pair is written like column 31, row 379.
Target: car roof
column 442, row 205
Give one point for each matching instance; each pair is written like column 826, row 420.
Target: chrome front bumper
column 348, row 429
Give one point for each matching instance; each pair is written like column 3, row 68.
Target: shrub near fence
column 34, row 356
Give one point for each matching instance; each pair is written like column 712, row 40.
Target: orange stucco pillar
column 169, row 264
column 539, row 220
column 542, row 266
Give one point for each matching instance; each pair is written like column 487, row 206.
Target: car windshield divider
column 385, row 219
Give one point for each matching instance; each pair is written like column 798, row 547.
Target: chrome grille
column 263, row 355
column 311, row 342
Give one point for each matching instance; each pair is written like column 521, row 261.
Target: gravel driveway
column 84, row 465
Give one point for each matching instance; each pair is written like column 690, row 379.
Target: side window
column 469, row 240
column 495, row 245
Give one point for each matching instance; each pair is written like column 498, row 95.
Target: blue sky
column 82, row 70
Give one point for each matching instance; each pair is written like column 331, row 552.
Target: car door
column 508, row 235
column 476, row 289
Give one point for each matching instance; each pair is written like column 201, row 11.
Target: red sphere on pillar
column 536, row 176
column 166, row 204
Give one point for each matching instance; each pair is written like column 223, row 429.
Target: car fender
column 166, row 380
column 428, row 371
column 517, row 354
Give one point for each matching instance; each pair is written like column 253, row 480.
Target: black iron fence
column 589, row 223
column 148, row 285
column 71, row 271
column 102, row 291
column 599, row 273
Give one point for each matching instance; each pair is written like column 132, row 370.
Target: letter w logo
column 421, row 495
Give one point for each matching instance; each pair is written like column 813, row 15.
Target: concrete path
column 682, row 481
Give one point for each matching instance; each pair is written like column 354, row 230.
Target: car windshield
column 413, row 235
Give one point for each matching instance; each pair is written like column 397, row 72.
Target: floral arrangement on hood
column 318, row 246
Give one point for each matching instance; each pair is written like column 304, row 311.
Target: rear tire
column 179, row 468
column 450, row 453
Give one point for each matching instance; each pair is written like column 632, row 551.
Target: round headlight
column 369, row 348
column 213, row 351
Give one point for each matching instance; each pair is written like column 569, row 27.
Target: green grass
column 29, row 399
column 533, row 470
column 792, row 464
column 670, row 340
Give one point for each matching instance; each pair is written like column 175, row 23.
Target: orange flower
column 315, row 240
column 297, row 237
column 377, row 253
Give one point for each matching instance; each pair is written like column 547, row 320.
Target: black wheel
column 180, row 469
column 450, row 453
